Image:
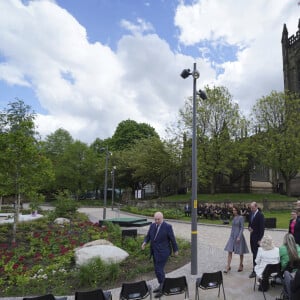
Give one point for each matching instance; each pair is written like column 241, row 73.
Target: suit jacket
column 258, row 227
column 297, row 231
column 162, row 245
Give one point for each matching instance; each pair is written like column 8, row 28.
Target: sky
column 87, row 65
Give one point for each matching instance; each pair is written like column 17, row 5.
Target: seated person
column 267, row 254
column 291, row 282
column 289, row 253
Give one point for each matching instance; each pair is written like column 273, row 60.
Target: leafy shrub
column 42, row 259
column 65, row 206
column 96, row 273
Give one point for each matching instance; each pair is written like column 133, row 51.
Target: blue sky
column 87, row 65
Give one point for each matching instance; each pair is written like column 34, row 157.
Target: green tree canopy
column 277, row 123
column 219, row 125
column 23, row 167
column 129, row 131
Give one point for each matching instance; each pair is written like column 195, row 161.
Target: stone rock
column 107, row 253
column 61, row 221
column 98, row 242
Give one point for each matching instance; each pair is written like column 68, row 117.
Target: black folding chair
column 135, row 291
column 43, row 297
column 209, row 281
column 175, row 286
column 97, row 294
column 271, row 272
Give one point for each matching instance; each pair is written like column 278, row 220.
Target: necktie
column 156, row 231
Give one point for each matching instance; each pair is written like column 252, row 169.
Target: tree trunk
column 288, row 187
column 16, row 217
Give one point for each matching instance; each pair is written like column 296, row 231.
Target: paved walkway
column 211, row 257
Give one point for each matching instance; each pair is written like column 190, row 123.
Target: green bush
column 97, row 273
column 65, row 206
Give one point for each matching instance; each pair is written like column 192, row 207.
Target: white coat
column 265, row 257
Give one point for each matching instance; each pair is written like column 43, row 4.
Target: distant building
column 291, row 59
column 291, row 75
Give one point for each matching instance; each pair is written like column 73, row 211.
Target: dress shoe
column 157, row 290
column 158, row 295
column 227, row 270
column 252, row 275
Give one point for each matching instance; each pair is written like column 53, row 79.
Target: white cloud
column 141, row 27
column 255, row 27
column 87, row 88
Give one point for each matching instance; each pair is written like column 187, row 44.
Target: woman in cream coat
column 267, row 254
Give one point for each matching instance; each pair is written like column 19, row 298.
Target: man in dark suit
column 257, row 230
column 162, row 242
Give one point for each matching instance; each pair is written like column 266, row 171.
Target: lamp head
column 202, row 95
column 196, row 74
column 185, row 73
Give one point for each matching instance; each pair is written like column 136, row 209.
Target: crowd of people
column 264, row 252
column 217, row 212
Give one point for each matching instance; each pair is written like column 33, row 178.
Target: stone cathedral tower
column 291, row 59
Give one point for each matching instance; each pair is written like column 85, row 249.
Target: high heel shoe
column 227, row 270
column 240, row 269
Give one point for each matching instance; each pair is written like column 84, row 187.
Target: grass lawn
column 230, row 197
column 221, row 198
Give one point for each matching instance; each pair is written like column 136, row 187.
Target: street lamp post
column 194, row 264
column 112, row 187
column 107, row 154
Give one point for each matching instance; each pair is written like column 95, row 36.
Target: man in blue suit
column 162, row 242
column 257, row 230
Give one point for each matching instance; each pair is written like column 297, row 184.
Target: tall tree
column 276, row 118
column 78, row 168
column 24, row 169
column 152, row 162
column 55, row 146
column 219, row 125
column 129, row 131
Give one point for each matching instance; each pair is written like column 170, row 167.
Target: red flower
column 15, row 266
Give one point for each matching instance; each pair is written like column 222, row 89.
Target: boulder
column 98, row 242
column 107, row 253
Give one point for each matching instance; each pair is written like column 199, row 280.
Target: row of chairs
column 97, row 294
column 141, row 290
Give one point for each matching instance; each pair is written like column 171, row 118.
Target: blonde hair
column 267, row 243
column 289, row 242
